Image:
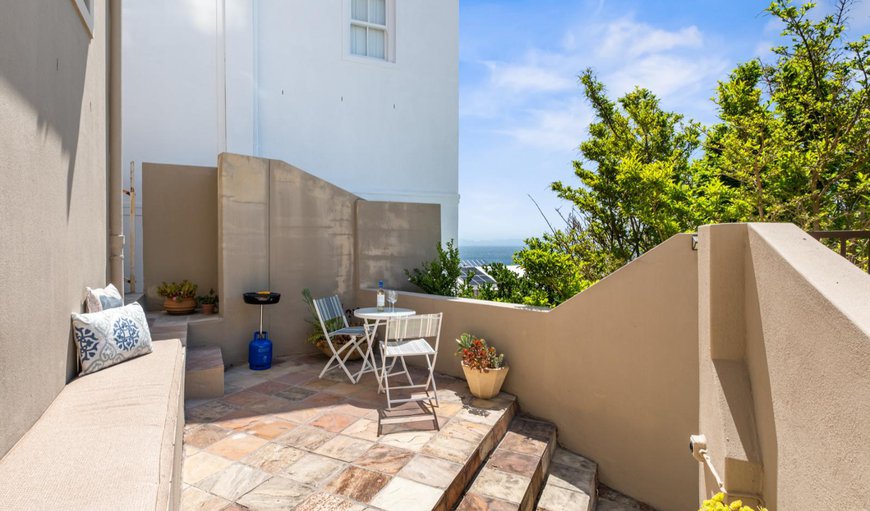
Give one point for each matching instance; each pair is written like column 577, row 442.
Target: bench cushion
column 110, row 440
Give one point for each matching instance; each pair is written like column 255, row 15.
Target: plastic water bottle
column 381, row 296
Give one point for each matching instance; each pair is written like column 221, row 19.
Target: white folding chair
column 334, row 324
column 409, row 337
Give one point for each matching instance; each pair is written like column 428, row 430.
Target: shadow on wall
column 764, row 414
column 56, row 91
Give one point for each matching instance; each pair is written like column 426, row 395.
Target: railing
column 844, row 236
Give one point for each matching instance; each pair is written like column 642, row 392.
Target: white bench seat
column 111, row 440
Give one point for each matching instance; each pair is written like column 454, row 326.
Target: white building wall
column 274, row 78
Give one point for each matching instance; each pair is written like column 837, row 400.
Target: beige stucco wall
column 615, row 368
column 283, row 229
column 52, row 197
column 393, row 237
column 179, row 227
column 786, row 387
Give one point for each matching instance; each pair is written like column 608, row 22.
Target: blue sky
column 522, row 114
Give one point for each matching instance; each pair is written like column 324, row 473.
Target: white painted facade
column 276, row 79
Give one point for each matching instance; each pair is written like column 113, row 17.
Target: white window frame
column 389, row 33
column 86, row 13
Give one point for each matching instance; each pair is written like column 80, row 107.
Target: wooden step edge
column 454, row 492
column 514, row 475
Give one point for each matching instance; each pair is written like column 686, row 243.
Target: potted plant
column 179, row 297
column 483, row 366
column 208, row 302
column 316, row 336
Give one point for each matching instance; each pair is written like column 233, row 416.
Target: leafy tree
column 793, row 141
column 636, row 179
column 637, row 188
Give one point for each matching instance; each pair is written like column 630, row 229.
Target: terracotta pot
column 323, row 347
column 208, row 308
column 184, row 306
column 485, row 385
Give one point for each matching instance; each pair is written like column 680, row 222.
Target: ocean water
column 488, row 254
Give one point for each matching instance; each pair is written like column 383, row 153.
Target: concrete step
column 611, row 500
column 571, row 483
column 514, row 474
column 496, row 416
column 204, row 373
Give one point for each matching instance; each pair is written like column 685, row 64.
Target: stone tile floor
column 286, row 439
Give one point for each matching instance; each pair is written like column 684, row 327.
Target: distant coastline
column 489, row 254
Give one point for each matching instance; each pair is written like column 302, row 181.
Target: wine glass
column 392, row 297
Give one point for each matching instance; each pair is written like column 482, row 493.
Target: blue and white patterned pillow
column 110, row 337
column 103, row 298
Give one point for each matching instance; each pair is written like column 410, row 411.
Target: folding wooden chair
column 334, row 324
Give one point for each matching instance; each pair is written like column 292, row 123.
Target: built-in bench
column 111, row 440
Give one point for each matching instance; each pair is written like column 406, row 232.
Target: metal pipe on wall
column 115, row 180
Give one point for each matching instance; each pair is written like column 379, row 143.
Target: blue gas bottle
column 260, row 347
column 260, row 351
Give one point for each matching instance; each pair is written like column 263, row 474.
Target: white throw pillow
column 104, row 298
column 111, row 336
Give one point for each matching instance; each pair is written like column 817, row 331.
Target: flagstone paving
column 286, row 439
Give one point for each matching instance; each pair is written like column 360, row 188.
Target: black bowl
column 262, row 298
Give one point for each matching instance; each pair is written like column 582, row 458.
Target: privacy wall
column 283, row 229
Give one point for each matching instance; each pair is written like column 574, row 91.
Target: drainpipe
column 115, row 192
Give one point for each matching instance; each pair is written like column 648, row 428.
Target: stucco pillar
column 726, row 408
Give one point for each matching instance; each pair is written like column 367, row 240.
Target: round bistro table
column 373, row 320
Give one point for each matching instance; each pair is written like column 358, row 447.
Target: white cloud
column 628, row 38
column 535, row 99
column 528, row 78
column 556, row 129
column 665, row 75
column 525, row 114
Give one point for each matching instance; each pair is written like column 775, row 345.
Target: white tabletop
column 387, row 313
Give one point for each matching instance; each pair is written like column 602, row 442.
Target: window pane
column 376, row 43
column 378, row 12
column 357, row 40
column 359, row 10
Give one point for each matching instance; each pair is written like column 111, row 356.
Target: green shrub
column 177, row 291
column 441, row 275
